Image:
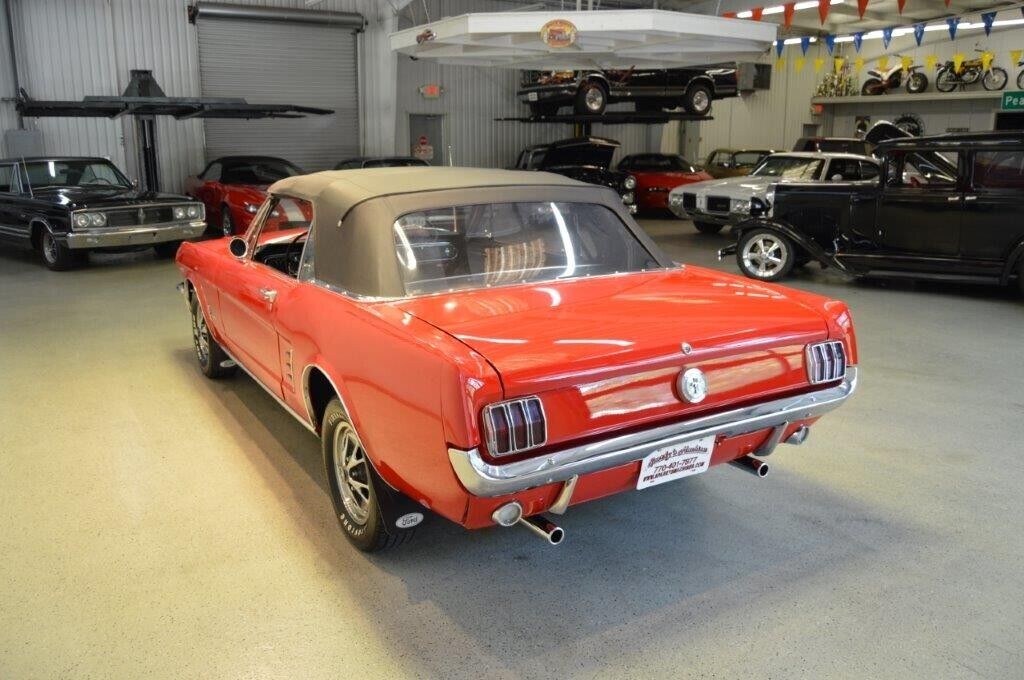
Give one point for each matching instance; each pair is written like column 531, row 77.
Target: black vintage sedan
column 587, row 159
column 945, row 207
column 589, row 92
column 64, row 207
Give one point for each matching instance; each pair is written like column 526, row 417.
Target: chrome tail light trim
column 826, row 361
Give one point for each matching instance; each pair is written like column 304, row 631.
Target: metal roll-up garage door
column 281, row 62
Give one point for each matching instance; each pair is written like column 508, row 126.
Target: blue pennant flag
column 778, row 47
column 805, row 42
column 987, row 18
column 887, row 36
column 952, row 22
column 858, row 38
column 918, row 33
column 830, row 43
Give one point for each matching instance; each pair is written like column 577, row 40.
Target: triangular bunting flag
column 780, row 63
column 798, row 64
column 901, row 4
column 918, row 33
column 987, row 18
column 931, row 61
column 952, row 23
column 818, row 64
column 805, row 42
column 858, row 64
column 862, row 5
column 779, row 45
column 986, row 60
column 906, row 63
column 958, row 61
column 858, row 38
column 887, row 36
column 883, row 63
column 823, row 6
column 1015, row 57
column 839, row 63
column 757, row 13
column 830, row 43
column 787, row 14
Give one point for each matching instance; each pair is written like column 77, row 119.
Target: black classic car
column 589, row 92
column 64, row 207
column 945, row 207
column 587, row 159
column 380, row 162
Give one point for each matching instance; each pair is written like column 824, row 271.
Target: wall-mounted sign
column 558, row 33
column 1013, row 101
column 431, row 91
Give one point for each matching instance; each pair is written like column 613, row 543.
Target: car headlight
column 251, row 208
column 629, row 182
column 81, row 219
column 627, row 197
column 89, row 219
column 195, row 211
column 740, row 206
column 180, row 212
column 675, row 199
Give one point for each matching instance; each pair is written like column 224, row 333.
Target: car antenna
column 24, row 165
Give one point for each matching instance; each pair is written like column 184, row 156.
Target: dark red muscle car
column 657, row 174
column 492, row 345
column 234, row 187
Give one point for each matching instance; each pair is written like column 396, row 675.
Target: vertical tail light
column 514, row 426
column 826, row 361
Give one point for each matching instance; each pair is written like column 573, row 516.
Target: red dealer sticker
column 673, row 462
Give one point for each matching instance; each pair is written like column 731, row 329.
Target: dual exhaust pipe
column 511, row 514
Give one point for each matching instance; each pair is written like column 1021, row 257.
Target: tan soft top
column 345, row 188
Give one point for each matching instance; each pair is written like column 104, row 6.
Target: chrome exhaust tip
column 507, row 514
column 751, row 465
column 799, row 435
column 545, row 528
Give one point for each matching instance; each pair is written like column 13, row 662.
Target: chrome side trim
column 276, row 398
column 486, row 479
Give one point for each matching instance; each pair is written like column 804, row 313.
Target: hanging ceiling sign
column 586, row 40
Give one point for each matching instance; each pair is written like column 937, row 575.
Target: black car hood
column 104, row 197
column 599, row 155
column 591, row 174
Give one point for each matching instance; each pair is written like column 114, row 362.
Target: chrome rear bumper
column 486, row 479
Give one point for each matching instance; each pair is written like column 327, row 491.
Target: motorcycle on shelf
column 880, row 82
column 971, row 71
column 1020, row 77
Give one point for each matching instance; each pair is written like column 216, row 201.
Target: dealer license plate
column 673, row 462
column 531, row 96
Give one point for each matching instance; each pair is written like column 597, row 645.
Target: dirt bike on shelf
column 971, row 71
column 881, row 81
column 1020, row 76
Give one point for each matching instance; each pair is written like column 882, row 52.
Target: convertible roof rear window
column 478, row 246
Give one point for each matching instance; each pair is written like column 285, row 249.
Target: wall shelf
column 904, row 97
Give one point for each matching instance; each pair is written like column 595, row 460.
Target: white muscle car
column 716, row 203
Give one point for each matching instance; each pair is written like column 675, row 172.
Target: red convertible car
column 234, row 187
column 493, row 345
column 657, row 174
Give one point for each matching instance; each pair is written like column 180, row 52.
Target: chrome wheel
column 594, row 99
column 200, row 335
column 765, row 256
column 995, row 79
column 49, row 247
column 225, row 222
column 701, row 100
column 352, row 473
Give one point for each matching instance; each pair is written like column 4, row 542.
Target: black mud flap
column 400, row 512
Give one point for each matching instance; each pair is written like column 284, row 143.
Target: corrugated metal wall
column 474, row 96
column 8, row 115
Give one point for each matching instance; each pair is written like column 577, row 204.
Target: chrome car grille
column 514, row 426
column 689, row 201
column 126, row 217
column 826, row 362
column 718, row 203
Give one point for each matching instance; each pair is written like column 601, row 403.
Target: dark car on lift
column 945, row 207
column 66, row 206
column 589, row 92
column 587, row 159
column 380, row 162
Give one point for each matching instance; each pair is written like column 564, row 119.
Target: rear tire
column 1020, row 80
column 209, row 354
column 871, row 87
column 697, row 99
column 355, row 486
column 591, row 98
column 765, row 255
column 946, row 80
column 57, row 256
column 707, row 227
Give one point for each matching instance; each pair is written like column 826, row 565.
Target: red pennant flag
column 901, row 3
column 787, row 14
column 732, row 15
column 823, row 6
column 756, row 13
column 863, row 5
